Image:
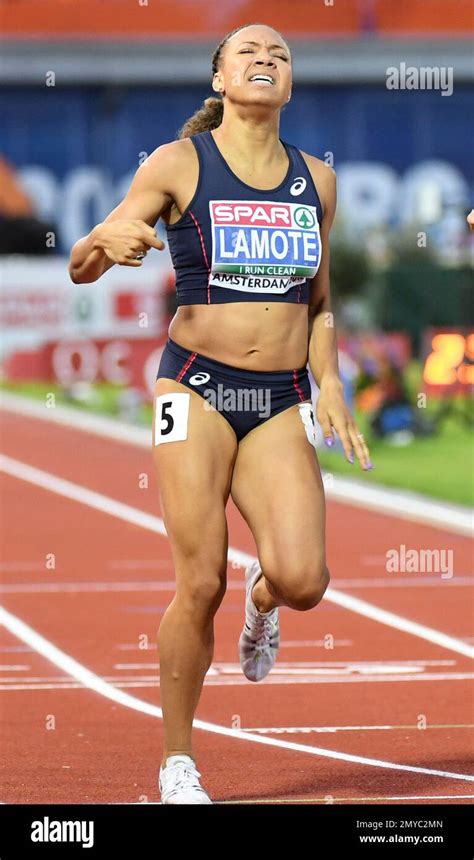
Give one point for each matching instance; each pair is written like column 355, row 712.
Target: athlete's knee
column 201, row 582
column 303, row 588
column 308, row 588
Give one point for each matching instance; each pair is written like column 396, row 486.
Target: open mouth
column 266, row 80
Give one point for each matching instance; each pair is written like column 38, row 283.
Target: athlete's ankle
column 169, row 753
column 262, row 600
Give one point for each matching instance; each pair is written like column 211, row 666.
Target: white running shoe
column 260, row 638
column 179, row 781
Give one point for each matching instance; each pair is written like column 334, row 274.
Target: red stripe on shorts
column 297, row 388
column 186, row 366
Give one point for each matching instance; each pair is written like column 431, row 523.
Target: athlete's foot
column 179, row 781
column 260, row 637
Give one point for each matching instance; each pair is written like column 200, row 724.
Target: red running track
column 343, row 682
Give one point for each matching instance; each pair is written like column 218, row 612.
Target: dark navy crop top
column 235, row 243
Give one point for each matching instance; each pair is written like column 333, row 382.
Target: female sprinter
column 248, row 219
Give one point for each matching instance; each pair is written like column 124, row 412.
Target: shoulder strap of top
column 302, row 165
column 203, row 142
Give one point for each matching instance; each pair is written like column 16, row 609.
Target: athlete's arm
column 130, row 227
column 332, row 410
column 322, row 332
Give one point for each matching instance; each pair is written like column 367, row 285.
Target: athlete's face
column 255, row 68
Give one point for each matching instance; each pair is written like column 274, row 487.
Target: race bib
column 171, row 417
column 263, row 247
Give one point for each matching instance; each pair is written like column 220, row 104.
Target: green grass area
column 440, row 466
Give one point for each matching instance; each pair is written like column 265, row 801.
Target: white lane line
column 89, row 679
column 14, row 566
column 84, row 587
column 404, row 581
column 326, row 800
column 77, row 493
column 280, row 669
column 170, row 585
column 368, row 667
column 290, row 643
column 296, row 670
column 146, row 681
column 144, row 564
column 352, row 664
column 297, row 730
column 127, row 513
column 403, row 504
column 77, row 419
column 14, row 649
column 406, row 505
column 14, row 668
column 376, row 613
column 124, row 666
column 330, row 799
column 315, row 643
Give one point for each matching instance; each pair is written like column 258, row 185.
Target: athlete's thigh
column 278, row 488
column 194, row 473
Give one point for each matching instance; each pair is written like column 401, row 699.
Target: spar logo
column 304, row 217
column 278, row 240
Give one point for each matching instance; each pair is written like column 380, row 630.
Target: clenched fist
column 124, row 240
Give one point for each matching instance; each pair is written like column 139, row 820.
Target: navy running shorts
column 246, row 398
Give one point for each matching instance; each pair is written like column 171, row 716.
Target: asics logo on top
column 298, row 186
column 199, row 378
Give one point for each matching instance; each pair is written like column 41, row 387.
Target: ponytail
column 207, row 117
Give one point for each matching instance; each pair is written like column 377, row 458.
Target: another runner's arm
column 130, row 227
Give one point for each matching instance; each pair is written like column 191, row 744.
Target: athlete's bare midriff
column 252, row 335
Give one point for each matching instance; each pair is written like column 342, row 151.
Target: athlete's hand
column 470, row 219
column 332, row 412
column 122, row 240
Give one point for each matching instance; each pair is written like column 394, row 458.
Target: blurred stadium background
column 91, row 87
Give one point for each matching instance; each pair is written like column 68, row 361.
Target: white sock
column 178, row 755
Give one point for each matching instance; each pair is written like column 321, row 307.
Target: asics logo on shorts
column 199, row 378
column 298, row 186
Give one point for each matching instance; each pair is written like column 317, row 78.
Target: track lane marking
column 89, row 679
column 405, row 505
column 135, row 516
column 333, row 800
column 144, row 682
